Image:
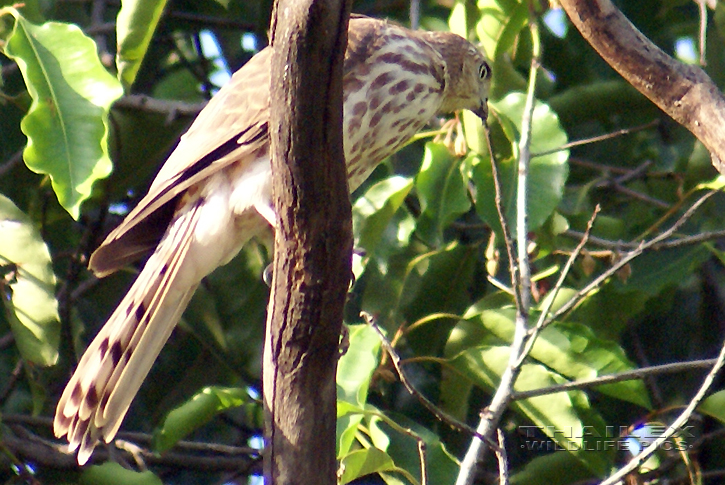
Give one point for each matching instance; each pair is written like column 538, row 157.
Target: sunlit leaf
column 135, row 26
column 565, row 417
column 500, row 24
column 547, row 173
column 570, row 349
column 374, row 211
column 442, row 192
column 196, row 412
column 111, row 473
column 72, row 92
column 354, row 372
column 714, row 405
column 364, row 462
column 29, row 297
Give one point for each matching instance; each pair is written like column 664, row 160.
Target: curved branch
column 682, row 91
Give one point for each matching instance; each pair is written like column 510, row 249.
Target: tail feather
column 115, row 364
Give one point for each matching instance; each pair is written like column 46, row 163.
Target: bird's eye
column 484, row 70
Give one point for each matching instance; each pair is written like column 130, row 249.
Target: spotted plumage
column 214, row 193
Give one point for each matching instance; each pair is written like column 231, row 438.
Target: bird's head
column 468, row 74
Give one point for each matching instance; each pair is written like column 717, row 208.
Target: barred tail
column 115, row 364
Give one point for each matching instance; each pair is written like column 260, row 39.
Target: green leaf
column 111, row 473
column 403, row 448
column 72, row 93
column 571, row 350
column 500, row 24
column 484, row 366
column 565, row 417
column 714, row 406
column 374, row 211
column 356, row 367
column 655, row 270
column 135, row 26
column 552, row 468
column 364, row 462
column 463, row 18
column 196, row 412
column 442, row 191
column 354, row 372
column 32, row 309
column 547, row 173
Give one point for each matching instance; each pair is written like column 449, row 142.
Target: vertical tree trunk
column 313, row 241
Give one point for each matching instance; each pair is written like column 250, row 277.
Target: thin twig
column 15, row 159
column 521, row 278
column 534, row 333
column 498, row 200
column 395, row 360
column 7, row 340
column 703, row 31
column 594, row 139
column 639, row 195
column 498, row 284
column 208, row 21
column 674, row 243
column 423, row 461
column 627, row 258
column 611, row 379
column 12, row 381
column 143, row 438
column 49, row 454
column 98, row 10
column 680, row 421
column 172, row 109
column 414, row 14
column 503, row 468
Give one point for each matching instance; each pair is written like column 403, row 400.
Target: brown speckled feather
column 214, row 193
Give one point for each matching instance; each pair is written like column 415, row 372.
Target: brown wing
column 232, row 125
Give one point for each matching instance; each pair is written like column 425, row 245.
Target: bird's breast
column 385, row 102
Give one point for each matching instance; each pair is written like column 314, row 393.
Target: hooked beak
column 481, row 112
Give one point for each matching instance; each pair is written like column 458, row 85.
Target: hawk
column 213, row 194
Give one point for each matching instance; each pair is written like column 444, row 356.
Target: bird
column 213, row 194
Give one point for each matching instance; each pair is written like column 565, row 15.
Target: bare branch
column 521, row 278
column 673, row 243
column 622, row 376
column 435, row 410
column 627, row 258
column 682, row 91
column 503, row 468
column 171, row 109
column 594, row 139
column 680, row 421
column 559, row 284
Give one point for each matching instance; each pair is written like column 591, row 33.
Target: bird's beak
column 481, row 112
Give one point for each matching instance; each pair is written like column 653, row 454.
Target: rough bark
column 313, row 241
column 682, row 91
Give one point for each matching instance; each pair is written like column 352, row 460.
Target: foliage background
column 425, row 225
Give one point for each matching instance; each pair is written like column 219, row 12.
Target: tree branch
column 313, row 241
column 684, row 92
column 611, row 379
